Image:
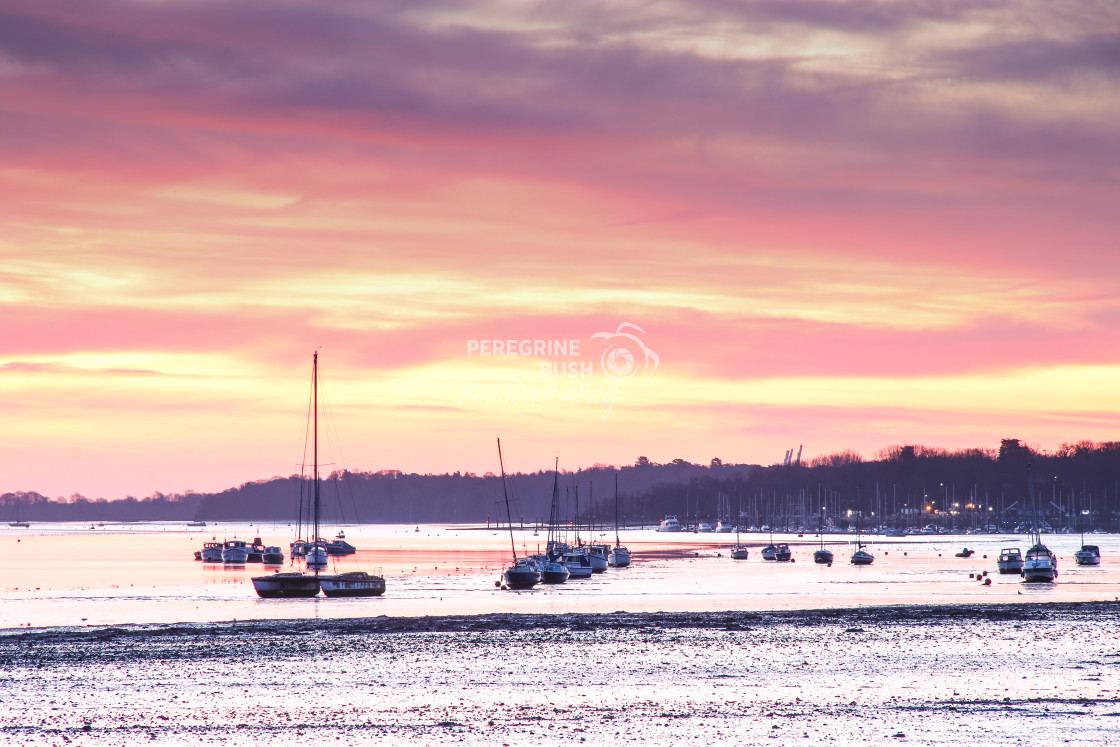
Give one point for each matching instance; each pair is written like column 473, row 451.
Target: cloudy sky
column 843, row 225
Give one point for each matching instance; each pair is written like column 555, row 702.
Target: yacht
column 770, row 552
column 670, row 524
column 783, row 554
column 286, row 585
column 703, row 527
column 1040, row 565
column 211, row 552
column 1010, row 560
column 724, row 527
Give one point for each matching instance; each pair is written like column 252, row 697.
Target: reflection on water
column 66, row 574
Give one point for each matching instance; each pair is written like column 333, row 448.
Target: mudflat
column 931, row 675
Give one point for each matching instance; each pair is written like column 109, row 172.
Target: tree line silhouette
column 1076, row 486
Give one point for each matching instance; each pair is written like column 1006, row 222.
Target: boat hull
column 619, row 558
column 353, row 584
column 740, row 553
column 286, row 586
column 862, row 558
column 824, row 557
column 521, row 577
column 235, row 555
column 554, row 574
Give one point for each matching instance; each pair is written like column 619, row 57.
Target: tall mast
column 617, row 541
column 505, row 494
column 315, row 438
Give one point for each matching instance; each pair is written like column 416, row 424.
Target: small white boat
column 724, row 527
column 740, row 552
column 235, row 552
column 211, row 552
column 577, row 563
column 703, row 527
column 783, row 554
column 317, row 555
column 598, row 555
column 670, row 524
column 619, row 557
column 770, row 552
column 1010, row 560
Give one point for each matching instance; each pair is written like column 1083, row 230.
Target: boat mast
column 618, row 542
column 1034, row 505
column 315, row 437
column 505, row 494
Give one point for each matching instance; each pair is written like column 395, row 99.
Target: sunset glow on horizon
column 837, row 225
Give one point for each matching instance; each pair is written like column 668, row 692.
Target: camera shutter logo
column 625, row 354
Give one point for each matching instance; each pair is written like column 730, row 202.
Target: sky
column 736, row 227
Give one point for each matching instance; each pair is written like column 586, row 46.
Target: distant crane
column 790, row 460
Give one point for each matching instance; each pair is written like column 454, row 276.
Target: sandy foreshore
column 930, row 675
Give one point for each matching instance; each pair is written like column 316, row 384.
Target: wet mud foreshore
column 930, row 675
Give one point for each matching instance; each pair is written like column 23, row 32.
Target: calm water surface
column 71, row 575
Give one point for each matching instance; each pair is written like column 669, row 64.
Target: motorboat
column 352, row 584
column 783, row 554
column 339, row 547
column 670, row 524
column 256, row 551
column 577, row 563
column 235, row 552
column 1010, row 560
column 1088, row 555
column 770, row 552
column 740, row 552
column 598, row 555
column 195, row 524
column 724, row 527
column 894, row 532
column 703, row 527
column 211, row 552
column 272, row 556
column 619, row 557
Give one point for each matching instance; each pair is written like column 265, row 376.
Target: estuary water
column 113, row 574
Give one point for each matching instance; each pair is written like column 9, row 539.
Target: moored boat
column 577, row 563
column 523, row 574
column 211, row 552
column 783, row 554
column 286, row 585
column 272, row 556
column 670, row 524
column 352, row 584
column 1010, row 560
column 235, row 552
column 1040, row 564
column 1088, row 555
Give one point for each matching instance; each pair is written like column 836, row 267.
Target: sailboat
column 860, row 556
column 822, row 556
column 1088, row 554
column 552, row 570
column 770, row 552
column 17, row 521
column 297, row 584
column 620, row 556
column 740, row 551
column 523, row 574
column 1040, row 565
